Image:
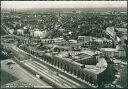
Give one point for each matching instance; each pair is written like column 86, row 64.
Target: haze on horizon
column 62, row 4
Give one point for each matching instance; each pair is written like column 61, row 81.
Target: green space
column 6, row 77
column 2, row 32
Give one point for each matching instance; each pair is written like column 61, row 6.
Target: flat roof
column 89, row 52
column 109, row 49
column 122, row 29
column 94, row 69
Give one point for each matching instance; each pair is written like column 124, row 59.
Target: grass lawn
column 6, row 77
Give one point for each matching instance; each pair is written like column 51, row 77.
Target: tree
column 108, row 76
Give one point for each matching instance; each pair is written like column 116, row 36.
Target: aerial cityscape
column 45, row 47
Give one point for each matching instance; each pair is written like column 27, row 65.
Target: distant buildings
column 20, row 32
column 38, row 33
column 109, row 52
column 116, row 35
column 104, row 42
column 89, row 42
column 84, row 39
column 11, row 31
column 118, row 52
column 111, row 32
column 58, row 40
column 121, row 31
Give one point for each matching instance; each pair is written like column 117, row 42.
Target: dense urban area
column 64, row 48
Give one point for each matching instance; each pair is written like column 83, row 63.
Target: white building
column 20, row 32
column 114, row 52
column 59, row 39
column 38, row 33
column 73, row 41
column 122, row 31
column 11, row 31
column 110, row 52
column 84, row 39
column 101, row 63
column 111, row 32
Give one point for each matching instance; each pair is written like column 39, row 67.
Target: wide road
column 61, row 79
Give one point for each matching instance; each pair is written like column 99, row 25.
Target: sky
column 62, row 4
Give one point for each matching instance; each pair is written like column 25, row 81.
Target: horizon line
column 62, row 4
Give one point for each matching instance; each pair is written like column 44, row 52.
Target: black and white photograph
column 63, row 44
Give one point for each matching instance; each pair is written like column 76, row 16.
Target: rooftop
column 93, row 69
column 124, row 30
column 109, row 49
column 89, row 52
column 111, row 31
